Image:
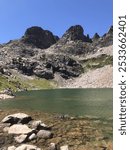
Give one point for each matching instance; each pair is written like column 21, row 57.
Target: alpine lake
column 80, row 118
column 96, row 102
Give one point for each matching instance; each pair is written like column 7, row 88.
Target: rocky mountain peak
column 96, row 36
column 39, row 37
column 75, row 33
column 110, row 31
column 77, row 30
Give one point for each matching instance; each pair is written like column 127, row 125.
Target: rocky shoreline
column 6, row 94
column 53, row 132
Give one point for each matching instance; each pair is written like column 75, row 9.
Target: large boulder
column 44, row 134
column 17, row 118
column 19, row 129
column 39, row 37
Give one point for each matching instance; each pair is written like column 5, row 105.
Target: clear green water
column 91, row 102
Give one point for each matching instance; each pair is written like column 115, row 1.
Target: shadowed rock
column 39, row 37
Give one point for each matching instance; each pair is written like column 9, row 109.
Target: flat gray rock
column 19, row 129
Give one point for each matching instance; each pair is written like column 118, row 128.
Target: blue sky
column 54, row 15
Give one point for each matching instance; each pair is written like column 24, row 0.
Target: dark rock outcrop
column 67, row 67
column 24, row 65
column 43, row 72
column 39, row 37
column 64, row 65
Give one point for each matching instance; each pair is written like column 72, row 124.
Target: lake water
column 90, row 102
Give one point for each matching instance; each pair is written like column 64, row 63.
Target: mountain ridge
column 40, row 54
